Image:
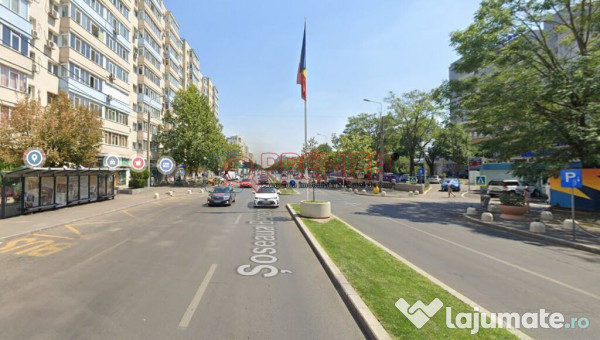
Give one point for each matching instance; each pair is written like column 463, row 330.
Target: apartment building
column 123, row 58
column 239, row 140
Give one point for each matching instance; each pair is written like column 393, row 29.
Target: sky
column 355, row 49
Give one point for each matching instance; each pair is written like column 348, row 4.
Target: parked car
column 434, row 179
column 511, row 187
column 246, row 183
column 404, row 178
column 266, row 197
column 222, row 195
column 454, row 182
column 390, row 177
column 263, row 180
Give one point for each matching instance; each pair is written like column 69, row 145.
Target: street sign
column 570, row 178
column 413, row 180
column 481, row 180
column 34, row 157
column 421, row 172
column 111, row 161
column 138, row 163
column 166, row 165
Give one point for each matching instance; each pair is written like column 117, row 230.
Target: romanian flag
column 302, row 66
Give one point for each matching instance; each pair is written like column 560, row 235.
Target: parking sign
column 570, row 178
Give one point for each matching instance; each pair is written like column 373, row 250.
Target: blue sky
column 355, row 49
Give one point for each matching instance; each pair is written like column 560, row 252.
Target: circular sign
column 34, row 157
column 111, row 161
column 166, row 165
column 138, row 163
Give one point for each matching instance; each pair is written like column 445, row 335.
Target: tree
column 193, row 134
column 452, row 143
column 68, row 134
column 71, row 134
column 415, row 115
column 350, row 147
column 535, row 70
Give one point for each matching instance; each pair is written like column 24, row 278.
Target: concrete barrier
column 568, row 224
column 363, row 191
column 383, row 193
column 471, row 211
column 201, row 191
column 356, row 191
column 537, row 227
column 487, row 217
column 189, row 192
column 546, row 216
column 170, row 193
column 410, row 193
column 156, row 195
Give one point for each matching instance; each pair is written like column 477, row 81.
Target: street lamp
column 381, row 141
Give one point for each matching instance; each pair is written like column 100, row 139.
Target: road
column 501, row 272
column 171, row 269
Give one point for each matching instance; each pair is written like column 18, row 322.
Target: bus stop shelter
column 28, row 190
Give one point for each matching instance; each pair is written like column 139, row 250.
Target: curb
column 541, row 237
column 365, row 318
column 83, row 218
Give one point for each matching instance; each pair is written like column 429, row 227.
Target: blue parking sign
column 421, row 172
column 570, row 178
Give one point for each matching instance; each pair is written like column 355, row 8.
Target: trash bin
column 485, row 201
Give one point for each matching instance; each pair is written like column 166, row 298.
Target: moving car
column 263, row 179
column 266, row 197
column 284, row 179
column 434, row 179
column 245, row 183
column 223, row 195
column 454, row 182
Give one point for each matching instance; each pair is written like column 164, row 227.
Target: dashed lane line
column 189, row 313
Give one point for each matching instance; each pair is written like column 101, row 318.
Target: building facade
column 124, row 59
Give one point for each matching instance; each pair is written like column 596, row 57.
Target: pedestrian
column 450, row 189
column 527, row 198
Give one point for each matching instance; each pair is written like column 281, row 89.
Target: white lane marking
column 187, row 316
column 237, row 220
column 542, row 276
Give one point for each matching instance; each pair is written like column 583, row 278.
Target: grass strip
column 380, row 280
column 287, row 192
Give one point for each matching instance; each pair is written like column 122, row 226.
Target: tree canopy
column 532, row 70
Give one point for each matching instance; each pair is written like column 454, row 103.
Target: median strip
column 385, row 284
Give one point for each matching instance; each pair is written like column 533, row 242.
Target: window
column 15, row 41
column 4, row 114
column 95, row 31
column 13, row 79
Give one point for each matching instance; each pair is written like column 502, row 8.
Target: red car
column 246, row 183
column 284, row 179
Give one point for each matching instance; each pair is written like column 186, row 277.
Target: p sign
column 166, row 165
column 138, row 163
column 34, row 157
column 570, row 178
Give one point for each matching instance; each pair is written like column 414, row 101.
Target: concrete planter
column 512, row 212
column 318, row 209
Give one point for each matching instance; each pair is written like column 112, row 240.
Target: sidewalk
column 587, row 239
column 25, row 224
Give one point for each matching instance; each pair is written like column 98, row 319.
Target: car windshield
column 267, row 190
column 221, row 190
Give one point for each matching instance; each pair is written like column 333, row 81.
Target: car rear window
column 496, row 183
column 511, row 182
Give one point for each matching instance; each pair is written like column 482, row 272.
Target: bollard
column 356, row 191
column 568, row 224
column 546, row 216
column 201, row 191
column 537, row 227
column 471, row 211
column 170, row 193
column 416, row 193
column 156, row 195
column 189, row 192
column 410, row 193
column 383, row 193
column 487, row 217
column 363, row 191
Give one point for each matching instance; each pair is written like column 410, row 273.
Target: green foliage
column 139, row 179
column 192, row 133
column 533, row 70
column 68, row 134
column 452, row 143
column 515, row 200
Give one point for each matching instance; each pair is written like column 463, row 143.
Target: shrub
column 507, row 199
column 139, row 179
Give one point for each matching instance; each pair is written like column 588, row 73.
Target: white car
column 266, row 197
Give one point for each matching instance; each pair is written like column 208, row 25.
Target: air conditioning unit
column 35, row 34
column 108, row 97
column 51, row 44
column 35, row 68
column 53, row 13
column 111, row 77
column 135, row 55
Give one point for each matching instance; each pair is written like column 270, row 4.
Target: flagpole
column 305, row 145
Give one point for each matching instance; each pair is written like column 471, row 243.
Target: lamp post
column 381, row 139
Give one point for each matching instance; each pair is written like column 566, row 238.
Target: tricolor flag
column 302, row 66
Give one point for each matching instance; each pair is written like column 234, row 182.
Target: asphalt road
column 500, row 272
column 174, row 269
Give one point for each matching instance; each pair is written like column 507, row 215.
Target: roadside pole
column 573, row 210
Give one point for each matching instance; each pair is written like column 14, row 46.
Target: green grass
column 287, row 191
column 380, row 279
